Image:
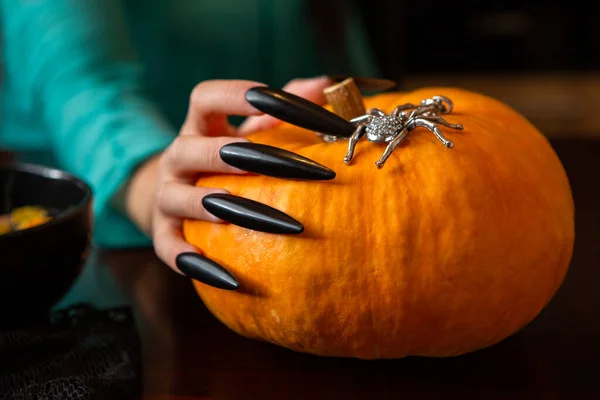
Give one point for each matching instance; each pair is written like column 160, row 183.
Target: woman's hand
column 196, row 150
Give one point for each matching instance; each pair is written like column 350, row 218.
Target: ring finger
column 181, row 200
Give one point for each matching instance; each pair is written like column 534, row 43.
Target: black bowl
column 40, row 264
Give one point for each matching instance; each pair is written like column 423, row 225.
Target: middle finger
column 192, row 154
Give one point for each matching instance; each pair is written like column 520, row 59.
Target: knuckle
column 196, row 93
column 174, row 152
column 171, row 152
column 194, row 207
column 159, row 195
column 230, row 90
column 164, row 163
column 211, row 153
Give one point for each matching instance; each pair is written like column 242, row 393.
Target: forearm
column 83, row 84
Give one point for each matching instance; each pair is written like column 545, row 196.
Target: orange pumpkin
column 439, row 253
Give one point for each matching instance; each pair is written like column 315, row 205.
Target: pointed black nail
column 367, row 84
column 206, row 271
column 298, row 111
column 250, row 214
column 273, row 161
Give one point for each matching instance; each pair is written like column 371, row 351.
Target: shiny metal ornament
column 379, row 127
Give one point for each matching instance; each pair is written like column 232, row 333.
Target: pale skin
column 162, row 191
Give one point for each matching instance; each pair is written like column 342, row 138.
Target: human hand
column 310, row 89
column 197, row 150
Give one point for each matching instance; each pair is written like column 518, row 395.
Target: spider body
column 379, row 127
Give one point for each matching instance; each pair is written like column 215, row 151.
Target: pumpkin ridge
column 371, row 276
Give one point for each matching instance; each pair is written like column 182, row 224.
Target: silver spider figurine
column 379, row 127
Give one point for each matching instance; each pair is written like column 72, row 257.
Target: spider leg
column 421, row 111
column 360, row 119
column 428, row 110
column 391, row 147
column 448, row 107
column 358, row 133
column 432, row 126
column 402, row 107
column 442, row 121
column 376, row 112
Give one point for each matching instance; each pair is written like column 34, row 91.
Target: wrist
column 136, row 197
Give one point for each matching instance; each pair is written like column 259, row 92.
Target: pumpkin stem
column 345, row 99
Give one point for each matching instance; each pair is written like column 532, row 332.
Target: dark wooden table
column 188, row 354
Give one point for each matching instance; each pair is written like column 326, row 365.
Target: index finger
column 309, row 88
column 219, row 98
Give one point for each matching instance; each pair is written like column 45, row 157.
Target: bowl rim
column 55, row 174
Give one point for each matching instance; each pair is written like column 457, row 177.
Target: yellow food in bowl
column 5, row 224
column 22, row 218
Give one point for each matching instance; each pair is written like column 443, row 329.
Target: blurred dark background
column 490, row 37
column 541, row 57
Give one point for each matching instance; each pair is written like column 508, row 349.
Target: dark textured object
column 250, row 214
column 273, row 161
column 205, row 270
column 298, row 111
column 40, row 264
column 79, row 353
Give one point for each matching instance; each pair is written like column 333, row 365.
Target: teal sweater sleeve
column 71, row 66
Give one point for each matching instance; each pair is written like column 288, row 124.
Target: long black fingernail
column 250, row 214
column 298, row 111
column 273, row 161
column 206, row 271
